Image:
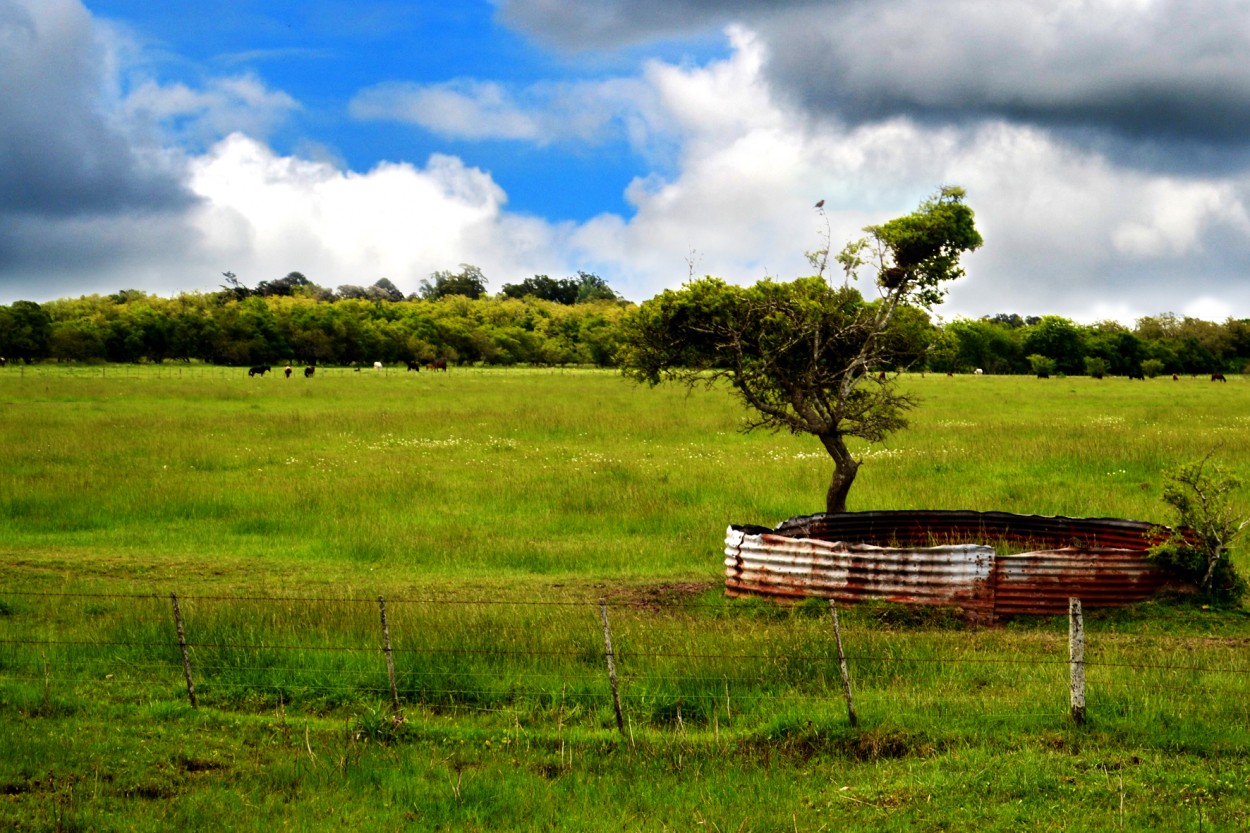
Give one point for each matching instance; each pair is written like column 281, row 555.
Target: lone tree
column 808, row 356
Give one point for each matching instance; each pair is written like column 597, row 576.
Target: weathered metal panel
column 925, row 558
column 786, row 567
column 1040, row 583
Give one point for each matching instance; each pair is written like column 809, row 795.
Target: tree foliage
column 807, row 356
column 469, row 282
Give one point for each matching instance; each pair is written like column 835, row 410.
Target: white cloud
column 236, row 104
column 463, row 109
column 264, row 215
column 586, row 112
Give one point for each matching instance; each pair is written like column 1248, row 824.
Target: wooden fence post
column 1076, row 660
column 607, row 641
column 182, row 644
column 846, row 673
column 390, row 661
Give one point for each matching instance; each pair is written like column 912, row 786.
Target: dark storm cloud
column 593, row 24
column 60, row 154
column 1142, row 70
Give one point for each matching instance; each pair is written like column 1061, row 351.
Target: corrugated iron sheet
column 925, row 558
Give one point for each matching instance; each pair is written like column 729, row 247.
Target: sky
column 1104, row 144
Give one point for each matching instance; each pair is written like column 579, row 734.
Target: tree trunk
column 845, row 467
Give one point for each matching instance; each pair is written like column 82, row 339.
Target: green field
column 493, row 510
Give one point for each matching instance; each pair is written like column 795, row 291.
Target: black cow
column 1218, row 377
column 309, row 371
column 287, row 371
column 413, row 366
column 1137, row 374
column 3, row 361
column 438, row 364
column 1042, row 374
column 259, row 370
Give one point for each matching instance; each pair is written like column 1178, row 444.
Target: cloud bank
column 1100, row 141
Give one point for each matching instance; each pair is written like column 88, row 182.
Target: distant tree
column 562, row 291
column 350, row 291
column 1011, row 321
column 292, row 284
column 1095, row 367
column 1041, row 365
column 76, row 340
column 469, row 282
column 1195, row 357
column 1151, row 368
column 591, row 287
column 806, row 356
column 982, row 343
column 25, row 331
column 234, row 289
column 1058, row 339
column 384, row 290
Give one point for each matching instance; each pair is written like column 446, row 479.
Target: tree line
column 546, row 321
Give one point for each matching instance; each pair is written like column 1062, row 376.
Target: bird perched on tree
column 820, row 204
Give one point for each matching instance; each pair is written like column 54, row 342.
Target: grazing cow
column 881, row 376
column 1218, row 377
column 1175, row 378
column 1137, row 374
column 948, row 373
column 1042, row 374
column 309, row 371
column 259, row 370
column 978, row 371
column 3, row 361
column 438, row 364
column 287, row 371
column 413, row 366
column 377, row 365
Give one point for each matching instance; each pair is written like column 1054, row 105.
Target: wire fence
column 637, row 664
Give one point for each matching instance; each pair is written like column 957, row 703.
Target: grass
column 492, row 510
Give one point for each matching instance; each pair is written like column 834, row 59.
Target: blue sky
column 1103, row 143
column 324, row 53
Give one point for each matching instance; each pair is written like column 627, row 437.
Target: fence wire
column 677, row 662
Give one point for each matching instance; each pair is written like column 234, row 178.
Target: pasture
column 493, row 509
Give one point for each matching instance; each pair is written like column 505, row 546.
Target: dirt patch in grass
column 662, row 596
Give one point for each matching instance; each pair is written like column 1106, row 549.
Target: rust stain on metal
column 949, row 559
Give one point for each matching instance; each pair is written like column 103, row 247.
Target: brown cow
column 438, row 364
column 1218, row 377
column 309, row 371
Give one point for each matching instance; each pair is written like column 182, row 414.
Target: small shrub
column 1207, row 525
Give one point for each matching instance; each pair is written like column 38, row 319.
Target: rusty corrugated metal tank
column 926, row 558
